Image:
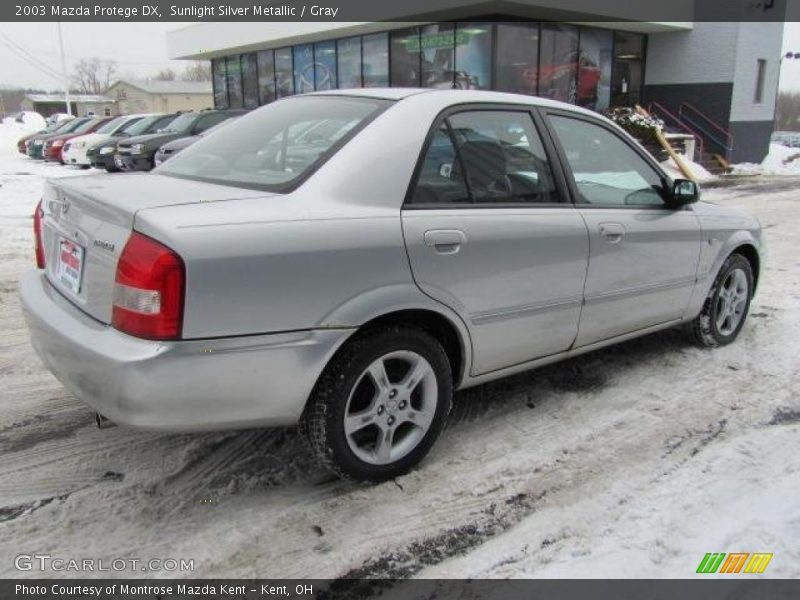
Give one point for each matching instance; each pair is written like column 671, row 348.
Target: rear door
column 643, row 253
column 490, row 234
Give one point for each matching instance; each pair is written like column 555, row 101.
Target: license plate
column 69, row 266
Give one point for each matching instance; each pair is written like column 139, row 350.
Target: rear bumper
column 175, row 386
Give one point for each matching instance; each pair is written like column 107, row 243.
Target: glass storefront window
column 325, row 65
column 375, row 52
column 517, row 62
column 473, row 56
column 594, row 69
column 249, row 80
column 628, row 73
column 266, row 76
column 437, row 55
column 303, row 68
column 348, row 56
column 405, row 71
column 284, row 76
column 219, row 78
column 558, row 63
column 233, row 70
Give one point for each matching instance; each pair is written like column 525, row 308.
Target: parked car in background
column 22, row 143
column 138, row 153
column 75, row 153
column 101, row 156
column 350, row 279
column 35, row 145
column 55, row 144
column 170, row 149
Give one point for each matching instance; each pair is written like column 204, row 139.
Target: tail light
column 38, row 214
column 148, row 290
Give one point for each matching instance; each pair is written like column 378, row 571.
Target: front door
column 643, row 254
column 489, row 233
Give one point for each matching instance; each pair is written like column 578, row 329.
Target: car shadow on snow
column 219, row 465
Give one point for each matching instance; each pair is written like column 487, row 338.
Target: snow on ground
column 700, row 173
column 781, row 160
column 628, row 462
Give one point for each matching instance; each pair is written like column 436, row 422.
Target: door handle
column 445, row 241
column 613, row 233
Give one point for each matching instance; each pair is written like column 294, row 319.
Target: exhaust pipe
column 103, row 422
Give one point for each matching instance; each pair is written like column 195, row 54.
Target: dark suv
column 137, row 153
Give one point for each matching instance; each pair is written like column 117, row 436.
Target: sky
column 140, row 50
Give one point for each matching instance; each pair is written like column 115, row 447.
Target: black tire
column 704, row 329
column 323, row 420
column 112, row 169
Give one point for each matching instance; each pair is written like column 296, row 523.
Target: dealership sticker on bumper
column 69, row 266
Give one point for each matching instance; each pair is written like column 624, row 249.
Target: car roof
column 455, row 97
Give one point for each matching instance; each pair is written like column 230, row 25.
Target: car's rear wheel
column 380, row 405
column 725, row 309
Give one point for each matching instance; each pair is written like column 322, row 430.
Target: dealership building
column 715, row 80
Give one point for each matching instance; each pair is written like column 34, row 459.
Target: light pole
column 64, row 70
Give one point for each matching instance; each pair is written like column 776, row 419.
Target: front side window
column 486, row 157
column 277, row 146
column 607, row 171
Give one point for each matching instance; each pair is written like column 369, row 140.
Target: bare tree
column 199, row 70
column 165, row 75
column 787, row 114
column 93, row 76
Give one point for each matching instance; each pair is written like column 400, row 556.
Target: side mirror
column 684, row 192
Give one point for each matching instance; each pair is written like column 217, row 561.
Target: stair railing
column 657, row 109
column 713, row 132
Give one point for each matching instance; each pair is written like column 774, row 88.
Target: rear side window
column 208, row 121
column 486, row 157
column 278, row 145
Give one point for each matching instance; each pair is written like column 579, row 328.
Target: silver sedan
column 348, row 259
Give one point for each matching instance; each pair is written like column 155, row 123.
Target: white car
column 74, row 152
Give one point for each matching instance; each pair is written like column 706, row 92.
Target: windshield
column 182, row 123
column 144, row 125
column 86, row 126
column 111, row 125
column 73, row 125
column 278, row 145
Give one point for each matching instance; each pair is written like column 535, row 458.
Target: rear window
column 276, row 147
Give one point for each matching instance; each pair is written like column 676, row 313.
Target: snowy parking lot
column 633, row 461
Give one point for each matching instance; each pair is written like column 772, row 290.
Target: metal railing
column 706, row 126
column 661, row 112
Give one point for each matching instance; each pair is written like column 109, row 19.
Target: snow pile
column 699, row 171
column 781, row 160
column 11, row 130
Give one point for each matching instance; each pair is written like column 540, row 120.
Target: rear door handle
column 445, row 241
column 613, row 233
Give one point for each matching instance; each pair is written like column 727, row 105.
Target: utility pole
column 64, row 70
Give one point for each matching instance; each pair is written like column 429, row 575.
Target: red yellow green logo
column 735, row 562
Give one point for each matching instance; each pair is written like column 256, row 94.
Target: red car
column 559, row 81
column 54, row 145
column 23, row 148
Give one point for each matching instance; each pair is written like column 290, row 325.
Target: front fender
column 717, row 248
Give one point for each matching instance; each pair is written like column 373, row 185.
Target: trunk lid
column 88, row 220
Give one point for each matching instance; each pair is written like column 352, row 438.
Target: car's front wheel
column 380, row 405
column 725, row 309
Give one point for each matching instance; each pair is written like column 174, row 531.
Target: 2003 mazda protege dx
column 348, row 259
